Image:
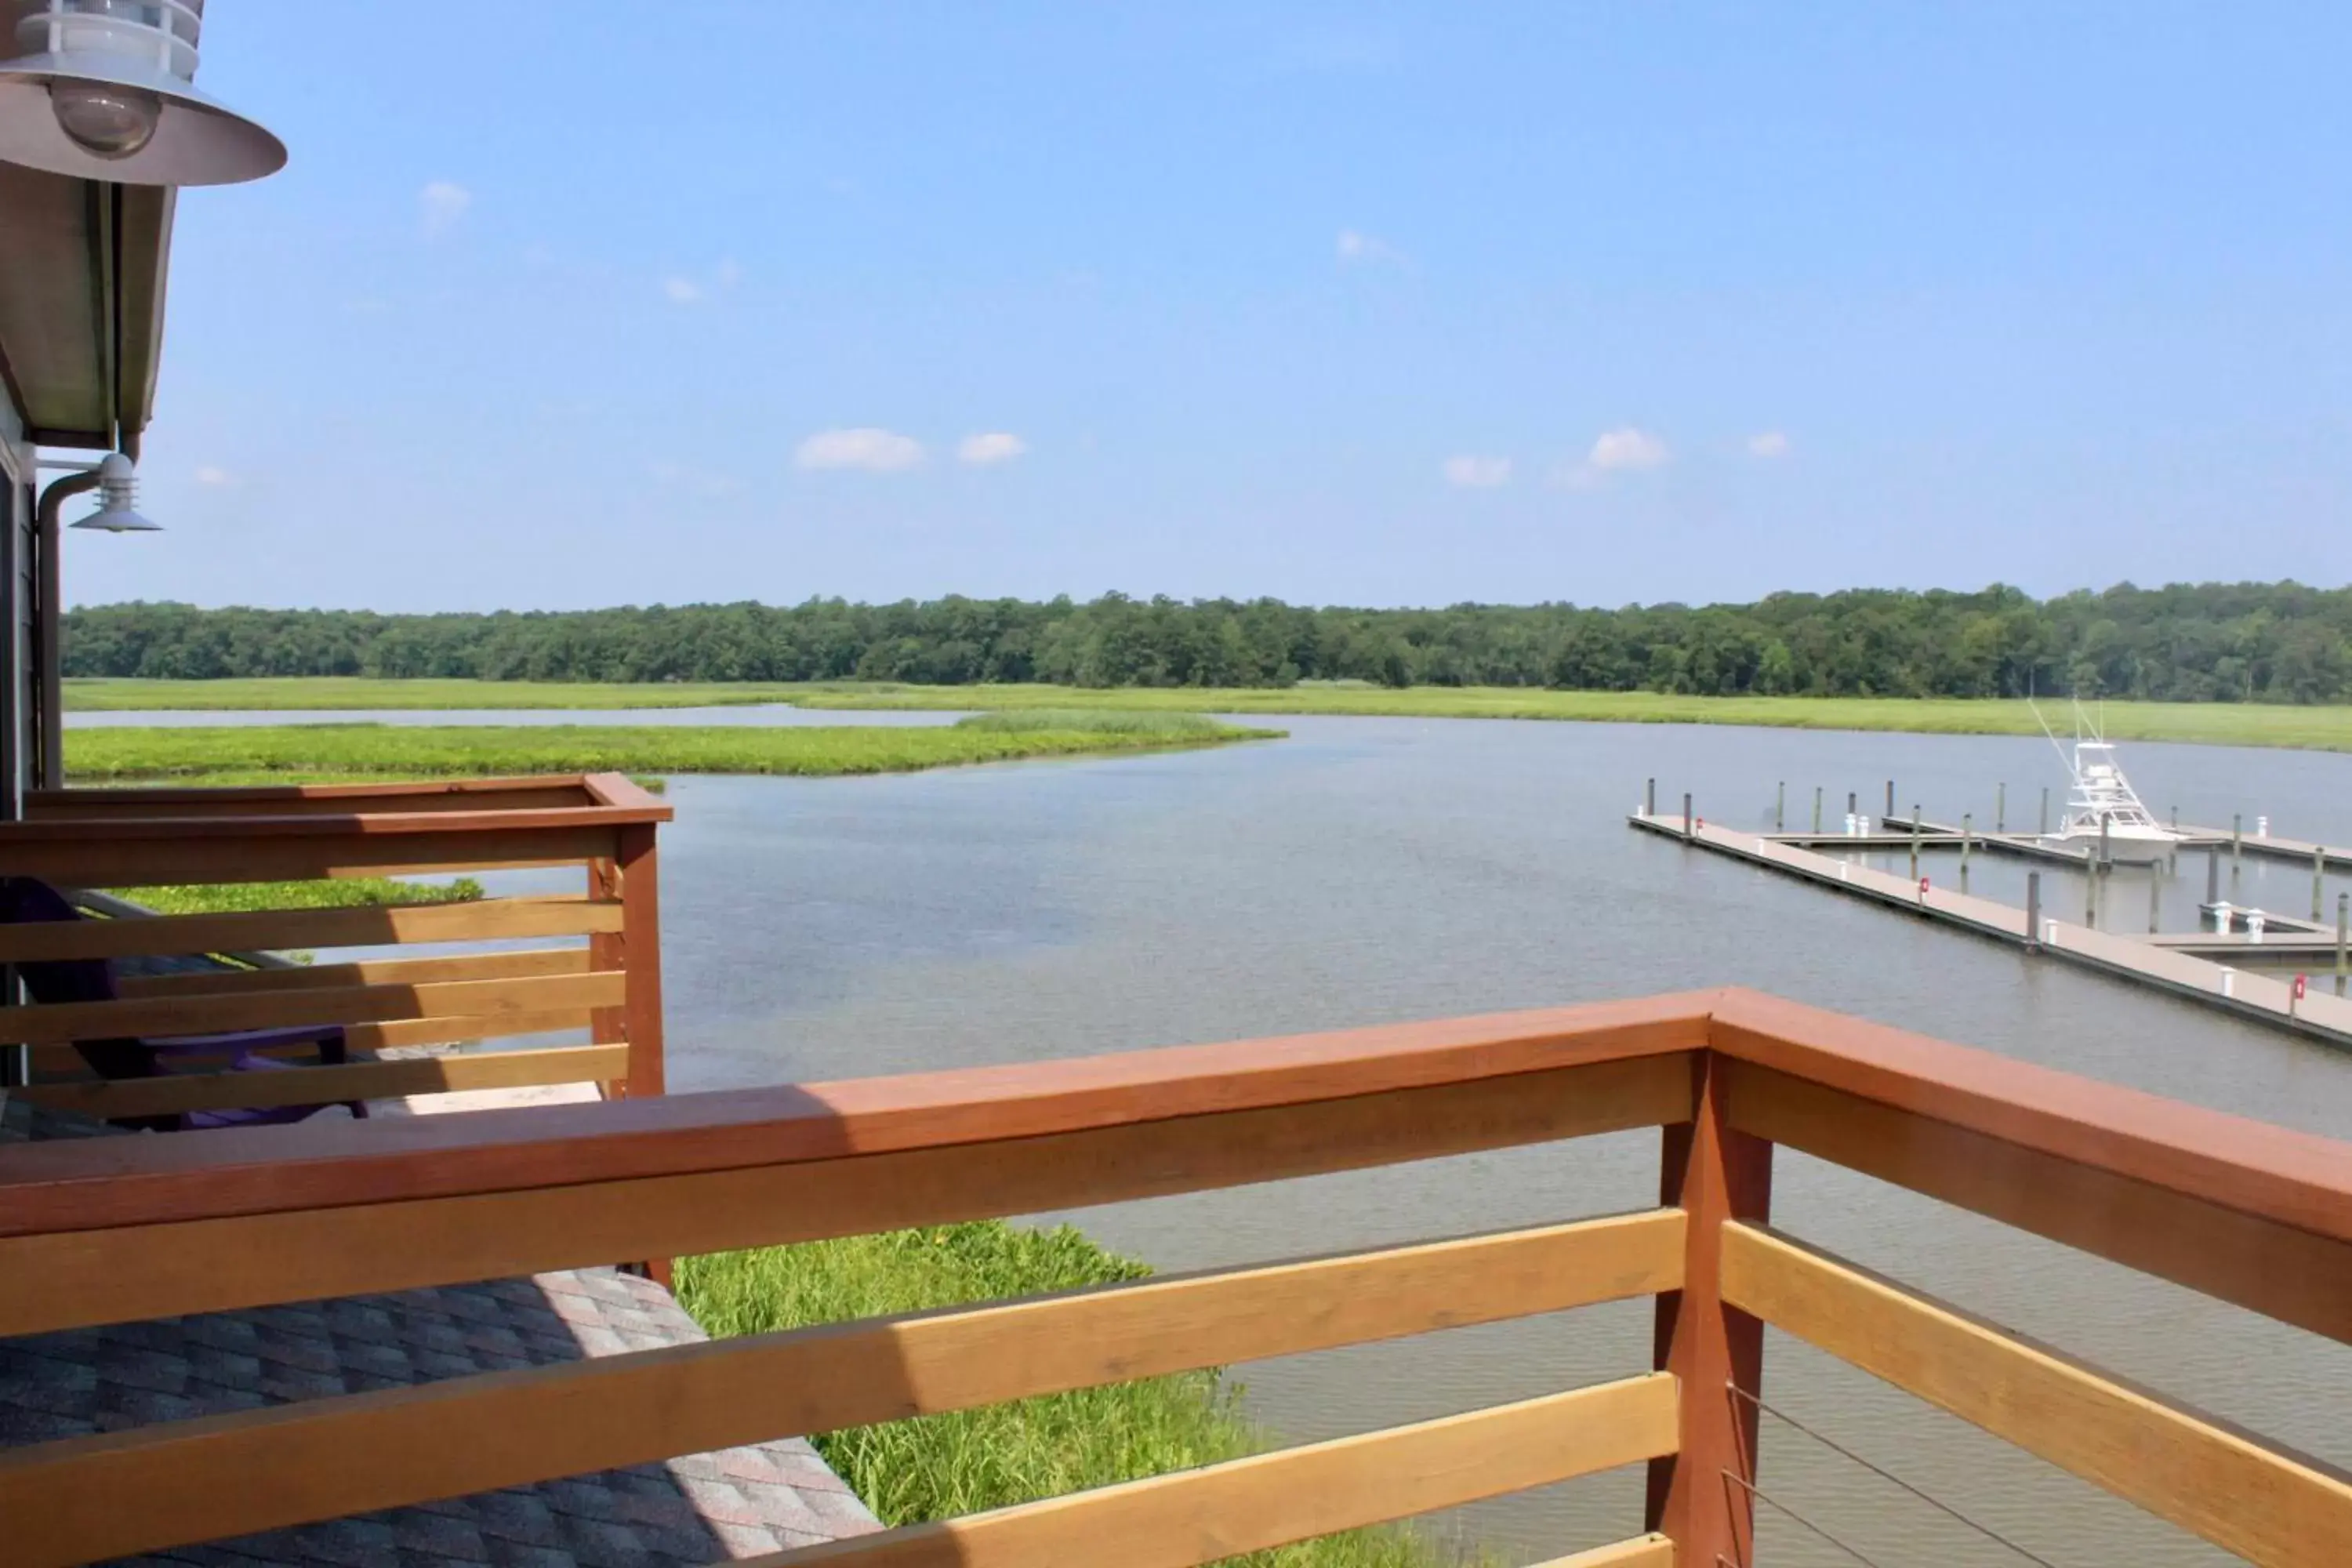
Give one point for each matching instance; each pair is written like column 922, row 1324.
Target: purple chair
column 25, row 899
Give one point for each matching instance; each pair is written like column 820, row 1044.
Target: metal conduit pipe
column 49, row 748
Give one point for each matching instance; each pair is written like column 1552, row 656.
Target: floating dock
column 2174, row 963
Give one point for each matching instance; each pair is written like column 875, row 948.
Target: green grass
column 360, row 692
column 341, row 893
column 936, row 1466
column 312, row 752
column 2213, row 723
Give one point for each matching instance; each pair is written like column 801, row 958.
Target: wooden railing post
column 1712, row 1172
column 641, row 957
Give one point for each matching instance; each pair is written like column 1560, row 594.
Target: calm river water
column 1368, row 871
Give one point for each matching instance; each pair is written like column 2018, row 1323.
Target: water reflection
column 1375, row 870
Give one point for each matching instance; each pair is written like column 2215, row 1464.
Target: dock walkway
column 2255, row 997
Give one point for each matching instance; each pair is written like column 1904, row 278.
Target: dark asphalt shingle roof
column 704, row 1507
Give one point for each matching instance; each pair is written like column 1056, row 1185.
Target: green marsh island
column 2304, row 726
column 312, row 753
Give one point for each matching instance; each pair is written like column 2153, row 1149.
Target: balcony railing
column 2251, row 1214
column 475, row 985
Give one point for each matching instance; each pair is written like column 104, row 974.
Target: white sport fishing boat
column 2103, row 805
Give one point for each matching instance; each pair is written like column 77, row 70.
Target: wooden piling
column 2318, row 879
column 1687, row 817
column 2237, row 845
column 2343, row 915
column 2213, row 875
column 1817, row 810
column 1781, row 807
column 1650, row 798
column 1915, row 841
column 1890, row 799
column 2154, row 897
column 2090, row 891
column 2045, row 811
column 2032, row 910
column 2001, row 809
column 1967, row 827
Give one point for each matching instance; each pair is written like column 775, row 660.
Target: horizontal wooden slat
column 129, row 1272
column 110, row 855
column 168, row 1016
column 2295, row 1178
column 2269, row 1506
column 359, row 1039
column 114, row 805
column 395, row 793
column 464, row 1434
column 1292, row 1494
column 65, row 1185
column 331, row 1085
column 1641, row 1551
column 2274, row 1269
column 366, row 972
column 258, row 930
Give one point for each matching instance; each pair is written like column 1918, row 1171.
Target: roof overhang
column 82, row 266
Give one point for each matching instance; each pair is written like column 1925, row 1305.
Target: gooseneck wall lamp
column 117, row 483
column 103, row 90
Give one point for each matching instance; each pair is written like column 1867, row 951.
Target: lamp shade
column 104, row 93
column 117, row 487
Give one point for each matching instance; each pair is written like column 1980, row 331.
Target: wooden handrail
column 84, row 1184
column 107, row 1229
column 298, row 1251
column 609, row 987
column 2296, row 1178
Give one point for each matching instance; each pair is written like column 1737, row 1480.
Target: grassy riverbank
column 934, row 1467
column 341, row 893
column 312, row 752
column 2210, row 723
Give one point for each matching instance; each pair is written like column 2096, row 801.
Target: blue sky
column 562, row 305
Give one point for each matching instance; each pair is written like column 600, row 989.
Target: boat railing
column 2251, row 1214
column 495, row 969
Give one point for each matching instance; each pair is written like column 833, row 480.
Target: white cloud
column 1626, row 448
column 682, row 291
column 1470, row 471
column 992, row 447
column 1770, row 444
column 442, row 203
column 1356, row 248
column 729, row 272
column 875, row 450
column 217, row 478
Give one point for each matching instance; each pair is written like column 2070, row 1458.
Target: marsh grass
column 2211, row 723
column 314, row 752
column 936, row 1466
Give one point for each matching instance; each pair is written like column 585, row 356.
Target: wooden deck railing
column 606, row 982
column 99, row 1232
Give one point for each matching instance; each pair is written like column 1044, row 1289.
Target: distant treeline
column 2204, row 642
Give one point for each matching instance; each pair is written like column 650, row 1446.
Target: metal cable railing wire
column 1884, row 1474
column 1752, row 1489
